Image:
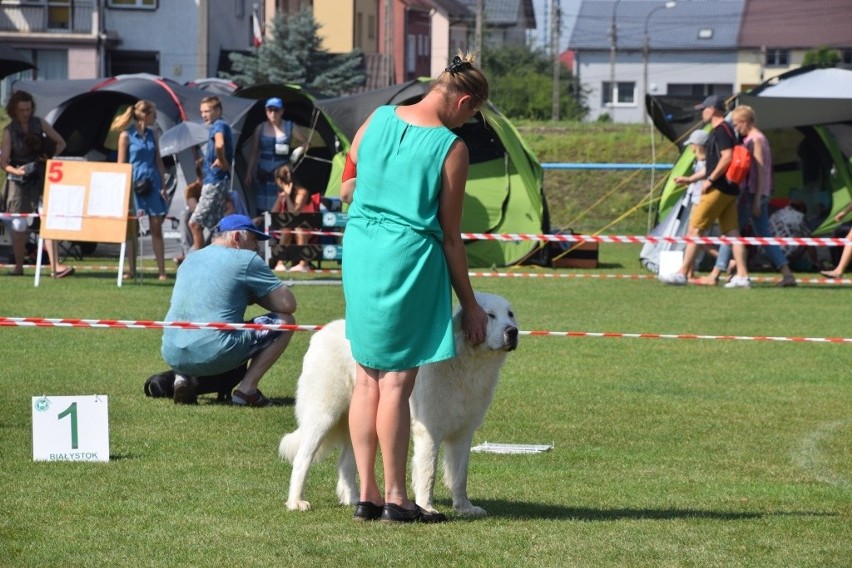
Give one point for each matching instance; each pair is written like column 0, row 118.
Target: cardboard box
column 581, row 255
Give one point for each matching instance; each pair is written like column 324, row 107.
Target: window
column 699, row 90
column 145, row 4
column 625, row 93
column 777, row 57
column 371, row 26
column 59, row 15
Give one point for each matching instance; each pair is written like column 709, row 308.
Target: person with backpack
column 753, row 207
column 718, row 198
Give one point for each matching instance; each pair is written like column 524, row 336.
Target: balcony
column 58, row 16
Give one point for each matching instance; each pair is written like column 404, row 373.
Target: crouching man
column 216, row 284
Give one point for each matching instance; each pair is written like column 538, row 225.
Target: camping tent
column 806, row 115
column 83, row 117
column 322, row 164
column 504, row 188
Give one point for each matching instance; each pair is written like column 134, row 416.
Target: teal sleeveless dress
column 395, row 278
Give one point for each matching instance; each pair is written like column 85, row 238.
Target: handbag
column 142, row 187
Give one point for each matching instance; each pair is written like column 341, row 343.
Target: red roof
column 796, row 24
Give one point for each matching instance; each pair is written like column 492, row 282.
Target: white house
column 687, row 49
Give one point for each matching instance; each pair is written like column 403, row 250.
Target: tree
column 521, row 85
column 292, row 53
column 822, row 57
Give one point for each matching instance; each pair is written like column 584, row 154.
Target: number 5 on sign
column 70, row 428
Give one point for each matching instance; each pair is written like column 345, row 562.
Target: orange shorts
column 715, row 205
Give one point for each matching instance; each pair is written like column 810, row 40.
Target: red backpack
column 740, row 165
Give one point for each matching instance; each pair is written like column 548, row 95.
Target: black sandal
column 396, row 514
column 367, row 511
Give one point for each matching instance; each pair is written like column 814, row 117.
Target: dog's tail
column 289, row 446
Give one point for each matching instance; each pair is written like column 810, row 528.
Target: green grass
column 666, row 452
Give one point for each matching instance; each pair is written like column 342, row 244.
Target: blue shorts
column 263, row 338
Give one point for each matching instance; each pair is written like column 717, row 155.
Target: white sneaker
column 739, row 282
column 673, row 279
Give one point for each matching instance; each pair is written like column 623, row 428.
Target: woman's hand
column 474, row 322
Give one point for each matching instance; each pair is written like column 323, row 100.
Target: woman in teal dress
column 402, row 252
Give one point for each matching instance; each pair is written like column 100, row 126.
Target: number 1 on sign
column 71, row 411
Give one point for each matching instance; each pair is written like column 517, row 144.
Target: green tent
column 806, row 115
column 504, row 189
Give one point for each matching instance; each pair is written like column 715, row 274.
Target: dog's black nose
column 511, row 334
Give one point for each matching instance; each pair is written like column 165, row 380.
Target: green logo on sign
column 42, row 405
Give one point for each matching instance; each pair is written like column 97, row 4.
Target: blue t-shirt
column 211, row 174
column 215, row 284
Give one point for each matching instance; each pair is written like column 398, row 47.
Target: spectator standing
column 719, row 197
column 216, row 171
column 139, row 145
column 25, row 148
column 217, row 284
column 753, row 203
column 271, row 147
column 403, row 251
column 698, row 143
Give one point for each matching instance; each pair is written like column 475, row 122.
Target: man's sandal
column 255, row 399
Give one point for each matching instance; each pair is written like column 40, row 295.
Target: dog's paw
column 298, row 505
column 469, row 510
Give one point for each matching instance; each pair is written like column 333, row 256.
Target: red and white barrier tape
column 633, row 239
column 144, row 324
column 621, row 239
column 572, row 275
column 19, row 215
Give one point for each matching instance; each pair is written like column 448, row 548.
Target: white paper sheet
column 65, row 208
column 106, row 193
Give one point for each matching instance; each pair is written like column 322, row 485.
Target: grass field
column 666, row 452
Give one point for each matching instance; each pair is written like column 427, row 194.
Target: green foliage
column 292, row 53
column 823, row 56
column 522, row 85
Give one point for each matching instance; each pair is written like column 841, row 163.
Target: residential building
column 417, row 38
column 691, row 52
column 81, row 39
column 776, row 34
column 690, row 49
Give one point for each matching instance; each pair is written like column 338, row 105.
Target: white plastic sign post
column 70, row 428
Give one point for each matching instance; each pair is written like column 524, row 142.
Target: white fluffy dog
column 448, row 404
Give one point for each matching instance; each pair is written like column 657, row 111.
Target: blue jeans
column 760, row 226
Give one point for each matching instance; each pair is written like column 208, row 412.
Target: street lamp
column 613, row 42
column 646, row 48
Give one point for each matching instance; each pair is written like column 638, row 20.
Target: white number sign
column 70, row 428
